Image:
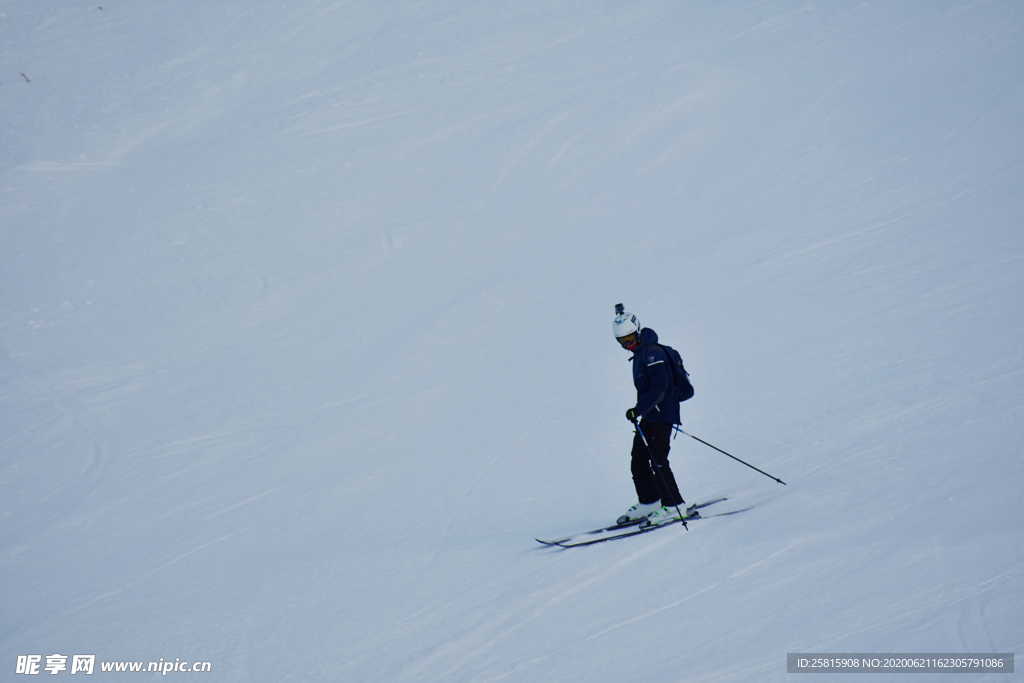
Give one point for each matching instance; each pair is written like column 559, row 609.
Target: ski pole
column 683, row 431
column 650, row 455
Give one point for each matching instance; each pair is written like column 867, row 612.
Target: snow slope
column 305, row 333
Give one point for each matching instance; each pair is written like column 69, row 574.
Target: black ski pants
column 652, row 475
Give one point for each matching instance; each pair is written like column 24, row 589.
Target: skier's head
column 626, row 328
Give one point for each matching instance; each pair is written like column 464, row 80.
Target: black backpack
column 681, row 385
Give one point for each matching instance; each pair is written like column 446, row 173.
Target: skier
column 654, row 414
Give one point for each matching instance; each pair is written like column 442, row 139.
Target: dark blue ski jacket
column 652, row 377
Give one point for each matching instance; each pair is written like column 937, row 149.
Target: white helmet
column 625, row 323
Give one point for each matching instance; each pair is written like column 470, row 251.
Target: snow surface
column 305, row 333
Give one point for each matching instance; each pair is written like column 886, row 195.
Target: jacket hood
column 648, row 337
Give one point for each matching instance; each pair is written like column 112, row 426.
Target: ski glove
column 631, row 415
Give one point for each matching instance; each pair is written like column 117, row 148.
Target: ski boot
column 638, row 511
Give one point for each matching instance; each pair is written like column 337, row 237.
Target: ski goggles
column 629, row 341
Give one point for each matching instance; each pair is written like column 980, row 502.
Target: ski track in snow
column 457, row 653
column 245, row 501
column 646, row 615
column 141, row 578
column 928, row 600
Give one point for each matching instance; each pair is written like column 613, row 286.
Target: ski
column 592, row 532
column 607, row 533
column 582, row 541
